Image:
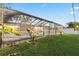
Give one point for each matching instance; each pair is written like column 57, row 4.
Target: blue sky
column 57, row 12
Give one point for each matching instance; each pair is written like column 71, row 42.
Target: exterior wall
column 40, row 30
column 59, row 29
column 70, row 31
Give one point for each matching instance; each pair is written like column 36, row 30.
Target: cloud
column 72, row 12
column 43, row 5
column 76, row 8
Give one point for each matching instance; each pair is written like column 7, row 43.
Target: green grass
column 66, row 45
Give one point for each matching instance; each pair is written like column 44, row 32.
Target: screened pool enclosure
column 14, row 25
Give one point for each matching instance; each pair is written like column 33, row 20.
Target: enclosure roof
column 9, row 11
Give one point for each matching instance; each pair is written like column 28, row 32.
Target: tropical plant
column 32, row 33
column 8, row 29
column 72, row 24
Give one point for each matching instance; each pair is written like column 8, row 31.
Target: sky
column 57, row 12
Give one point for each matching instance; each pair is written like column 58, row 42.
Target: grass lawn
column 47, row 46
